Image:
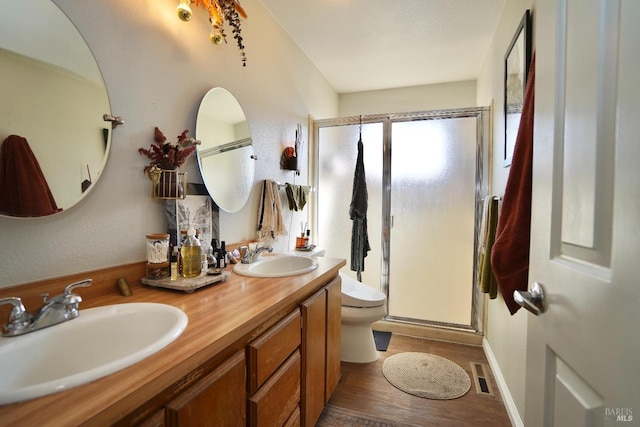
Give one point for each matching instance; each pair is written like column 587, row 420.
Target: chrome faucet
column 56, row 310
column 249, row 256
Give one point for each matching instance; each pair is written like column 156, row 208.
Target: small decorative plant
column 166, row 155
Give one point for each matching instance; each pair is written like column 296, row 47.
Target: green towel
column 488, row 283
column 297, row 196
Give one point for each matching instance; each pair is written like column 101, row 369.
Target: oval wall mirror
column 53, row 97
column 225, row 154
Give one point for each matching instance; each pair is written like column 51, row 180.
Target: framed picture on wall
column 197, row 209
column 516, row 68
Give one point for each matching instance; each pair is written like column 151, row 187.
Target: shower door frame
column 483, row 142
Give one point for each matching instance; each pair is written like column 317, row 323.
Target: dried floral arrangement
column 168, row 155
column 225, row 10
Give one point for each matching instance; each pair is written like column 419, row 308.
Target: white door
column 583, row 353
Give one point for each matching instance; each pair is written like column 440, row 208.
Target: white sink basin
column 277, row 265
column 99, row 342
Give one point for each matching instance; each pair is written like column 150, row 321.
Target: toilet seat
column 357, row 294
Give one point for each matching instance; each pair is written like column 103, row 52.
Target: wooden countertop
column 219, row 317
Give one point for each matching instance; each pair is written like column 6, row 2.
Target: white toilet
column 361, row 306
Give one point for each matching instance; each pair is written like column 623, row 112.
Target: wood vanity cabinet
column 282, row 377
column 320, row 349
column 279, row 396
column 276, row 365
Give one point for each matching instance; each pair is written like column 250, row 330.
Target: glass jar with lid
column 158, row 266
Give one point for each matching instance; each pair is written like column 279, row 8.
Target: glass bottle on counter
column 191, row 255
column 307, row 239
column 212, row 262
column 174, row 264
column 222, row 255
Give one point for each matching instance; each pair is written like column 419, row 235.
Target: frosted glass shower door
column 337, row 153
column 433, row 185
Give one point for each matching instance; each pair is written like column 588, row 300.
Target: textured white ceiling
column 378, row 44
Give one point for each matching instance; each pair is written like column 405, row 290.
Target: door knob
column 532, row 300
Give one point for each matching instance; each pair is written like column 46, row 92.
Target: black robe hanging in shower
column 358, row 214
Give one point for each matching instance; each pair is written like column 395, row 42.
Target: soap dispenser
column 191, row 255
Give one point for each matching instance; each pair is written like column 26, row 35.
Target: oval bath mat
column 426, row 375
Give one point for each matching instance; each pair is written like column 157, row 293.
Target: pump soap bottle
column 191, row 255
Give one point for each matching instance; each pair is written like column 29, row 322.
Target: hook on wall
column 115, row 120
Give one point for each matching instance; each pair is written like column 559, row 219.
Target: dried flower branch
column 230, row 11
column 168, row 155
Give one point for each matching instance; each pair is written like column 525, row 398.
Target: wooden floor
column 364, row 391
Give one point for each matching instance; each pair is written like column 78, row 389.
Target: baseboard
column 507, row 399
column 429, row 332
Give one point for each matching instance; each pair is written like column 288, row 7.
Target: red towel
column 510, row 253
column 23, row 188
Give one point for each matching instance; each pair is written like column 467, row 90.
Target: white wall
column 409, row 99
column 506, row 334
column 157, row 68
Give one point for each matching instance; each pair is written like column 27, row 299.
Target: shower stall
column 425, row 182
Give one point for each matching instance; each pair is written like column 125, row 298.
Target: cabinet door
column 218, row 400
column 314, row 315
column 334, row 317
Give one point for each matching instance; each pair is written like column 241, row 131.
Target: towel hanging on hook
column 358, row 214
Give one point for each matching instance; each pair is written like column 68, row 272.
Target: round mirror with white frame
column 225, row 154
column 53, row 96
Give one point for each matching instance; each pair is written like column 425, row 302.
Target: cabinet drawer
column 272, row 348
column 156, row 420
column 274, row 403
column 294, row 419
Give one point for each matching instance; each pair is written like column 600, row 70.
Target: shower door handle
column 532, row 300
column 391, row 221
